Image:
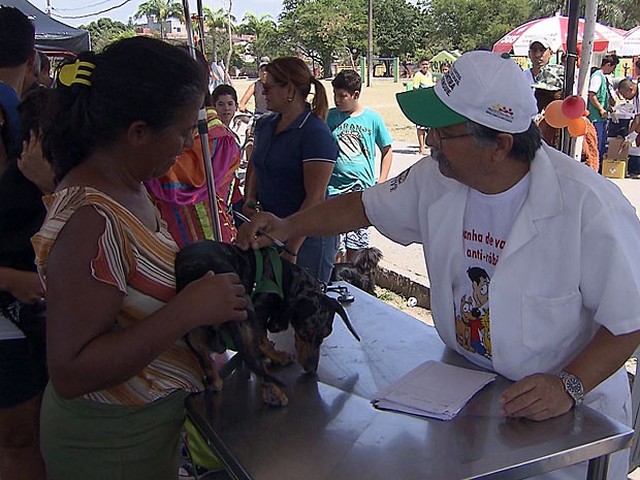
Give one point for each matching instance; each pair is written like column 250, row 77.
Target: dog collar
column 267, row 285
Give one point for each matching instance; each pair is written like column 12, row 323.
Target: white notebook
column 432, row 389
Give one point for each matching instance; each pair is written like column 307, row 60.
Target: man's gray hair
column 525, row 144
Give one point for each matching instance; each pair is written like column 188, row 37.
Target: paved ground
column 409, row 261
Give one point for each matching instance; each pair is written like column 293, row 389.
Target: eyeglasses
column 438, row 138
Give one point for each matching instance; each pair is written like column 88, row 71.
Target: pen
column 278, row 243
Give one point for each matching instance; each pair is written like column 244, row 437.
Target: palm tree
column 215, row 22
column 264, row 29
column 159, row 11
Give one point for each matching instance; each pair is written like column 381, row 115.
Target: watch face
column 573, row 386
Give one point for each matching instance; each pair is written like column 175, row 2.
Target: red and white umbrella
column 630, row 45
column 554, row 29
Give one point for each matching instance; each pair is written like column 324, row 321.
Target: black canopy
column 52, row 35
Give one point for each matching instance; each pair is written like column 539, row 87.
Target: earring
column 289, row 99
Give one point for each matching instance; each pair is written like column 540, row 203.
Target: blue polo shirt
column 278, row 159
column 9, row 100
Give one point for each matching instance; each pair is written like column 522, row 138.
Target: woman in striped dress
column 119, row 369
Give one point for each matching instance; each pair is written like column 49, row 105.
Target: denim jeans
column 601, row 131
column 317, row 255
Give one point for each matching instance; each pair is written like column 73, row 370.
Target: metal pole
column 370, row 44
column 203, row 131
column 570, row 67
column 201, row 27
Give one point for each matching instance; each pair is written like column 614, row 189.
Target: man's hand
column 603, row 113
column 250, row 235
column 536, row 397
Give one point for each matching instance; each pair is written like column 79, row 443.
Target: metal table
column 329, row 430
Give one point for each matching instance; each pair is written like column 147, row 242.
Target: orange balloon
column 577, row 126
column 554, row 116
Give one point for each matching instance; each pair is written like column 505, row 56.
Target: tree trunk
column 228, row 64
column 327, row 58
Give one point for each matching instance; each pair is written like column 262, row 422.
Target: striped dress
column 140, row 264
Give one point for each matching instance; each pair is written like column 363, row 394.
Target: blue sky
column 68, row 8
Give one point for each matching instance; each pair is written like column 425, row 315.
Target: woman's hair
column 32, row 110
column 292, row 70
column 134, row 79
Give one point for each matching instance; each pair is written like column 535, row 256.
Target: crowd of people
column 103, row 178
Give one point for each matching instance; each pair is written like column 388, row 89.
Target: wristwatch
column 573, row 386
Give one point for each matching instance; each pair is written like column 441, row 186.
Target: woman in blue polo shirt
column 293, row 158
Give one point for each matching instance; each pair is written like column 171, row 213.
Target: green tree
column 215, row 22
column 471, row 24
column 399, row 28
column 105, row 31
column 265, row 32
column 159, row 11
column 623, row 14
column 322, row 29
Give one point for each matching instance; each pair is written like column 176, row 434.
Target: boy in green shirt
column 357, row 131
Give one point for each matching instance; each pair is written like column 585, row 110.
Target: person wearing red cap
column 554, row 244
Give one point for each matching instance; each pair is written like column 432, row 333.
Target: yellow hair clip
column 77, row 72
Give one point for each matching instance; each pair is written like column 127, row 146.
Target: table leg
column 598, row 468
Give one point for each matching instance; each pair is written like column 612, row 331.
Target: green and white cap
column 484, row 87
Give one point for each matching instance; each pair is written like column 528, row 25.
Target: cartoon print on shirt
column 472, row 324
column 351, row 144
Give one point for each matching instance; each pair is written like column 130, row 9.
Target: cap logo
column 501, row 112
column 450, row 80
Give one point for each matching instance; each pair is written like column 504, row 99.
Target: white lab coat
column 570, row 264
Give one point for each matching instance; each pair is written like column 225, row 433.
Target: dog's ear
column 367, row 259
column 337, row 307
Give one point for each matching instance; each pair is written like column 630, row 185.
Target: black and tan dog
column 280, row 294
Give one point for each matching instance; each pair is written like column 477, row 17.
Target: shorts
column 23, row 361
column 355, row 240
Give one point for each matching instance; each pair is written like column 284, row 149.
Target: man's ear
column 138, row 133
column 503, row 146
column 31, row 61
column 356, row 94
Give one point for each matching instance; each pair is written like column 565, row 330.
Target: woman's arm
column 85, row 353
column 385, row 163
column 316, row 178
column 242, row 105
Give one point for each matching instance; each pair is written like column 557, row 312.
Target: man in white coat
column 532, row 257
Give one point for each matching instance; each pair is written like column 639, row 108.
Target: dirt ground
column 380, row 96
column 402, row 303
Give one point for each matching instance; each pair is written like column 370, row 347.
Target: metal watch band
column 573, row 386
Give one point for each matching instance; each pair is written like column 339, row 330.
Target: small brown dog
column 299, row 301
column 362, row 271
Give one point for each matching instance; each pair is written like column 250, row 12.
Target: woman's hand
column 23, row 285
column 34, row 166
column 214, row 299
column 250, row 207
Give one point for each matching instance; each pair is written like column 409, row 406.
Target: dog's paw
column 273, row 396
column 277, row 358
column 214, row 385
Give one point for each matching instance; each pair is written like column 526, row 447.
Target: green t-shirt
column 602, row 95
column 357, row 137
